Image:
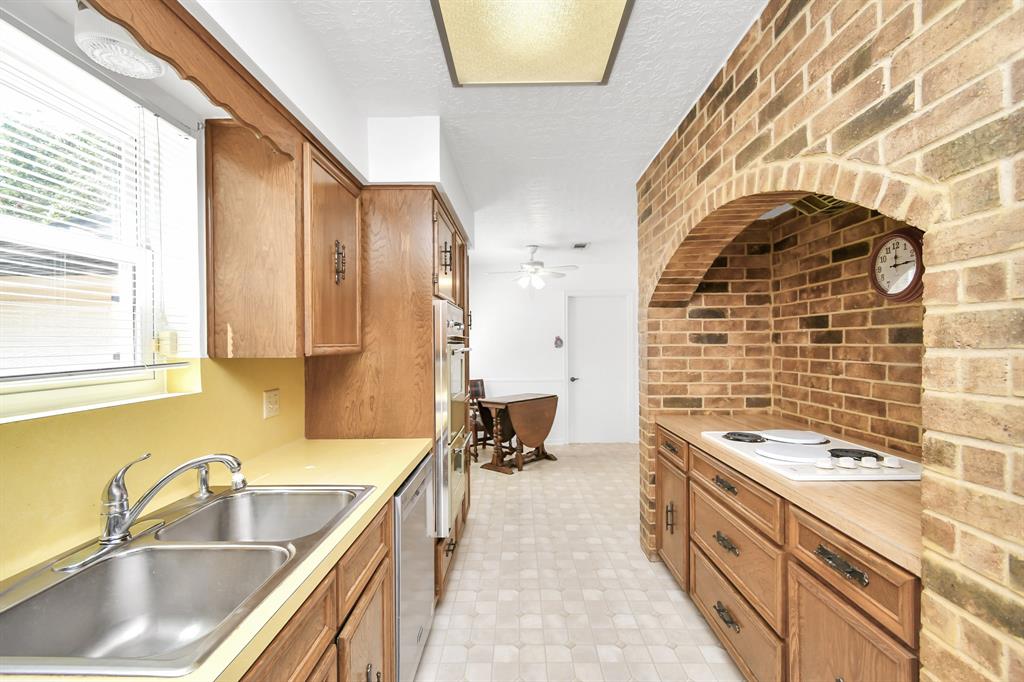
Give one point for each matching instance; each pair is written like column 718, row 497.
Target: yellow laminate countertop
column 383, row 463
column 884, row 516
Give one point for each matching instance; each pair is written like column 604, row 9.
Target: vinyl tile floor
column 550, row 584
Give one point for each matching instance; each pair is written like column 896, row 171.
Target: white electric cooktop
column 811, row 456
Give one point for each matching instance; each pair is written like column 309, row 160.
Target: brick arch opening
column 915, row 110
column 702, row 233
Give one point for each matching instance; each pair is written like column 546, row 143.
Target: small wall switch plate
column 271, row 403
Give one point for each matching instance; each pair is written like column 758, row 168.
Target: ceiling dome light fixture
column 110, row 46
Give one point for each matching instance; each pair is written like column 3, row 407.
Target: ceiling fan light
column 537, row 281
column 523, row 281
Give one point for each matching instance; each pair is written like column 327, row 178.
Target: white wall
column 514, row 331
column 413, row 150
column 290, row 61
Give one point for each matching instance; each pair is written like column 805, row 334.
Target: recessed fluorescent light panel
column 531, row 42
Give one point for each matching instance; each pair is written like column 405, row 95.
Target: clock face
column 896, row 265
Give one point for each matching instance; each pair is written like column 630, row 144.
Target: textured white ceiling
column 545, row 164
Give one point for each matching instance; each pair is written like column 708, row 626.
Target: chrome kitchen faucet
column 120, row 517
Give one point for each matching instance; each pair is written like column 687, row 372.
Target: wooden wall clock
column 897, row 265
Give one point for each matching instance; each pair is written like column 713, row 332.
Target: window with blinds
column 99, row 234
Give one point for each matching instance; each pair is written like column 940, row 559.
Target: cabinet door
column 831, row 640
column 296, row 652
column 445, row 254
column 365, row 644
column 332, row 257
column 253, row 248
column 672, row 518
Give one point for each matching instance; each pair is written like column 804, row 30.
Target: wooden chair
column 481, row 434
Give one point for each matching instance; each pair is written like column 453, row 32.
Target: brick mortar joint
column 960, row 569
column 971, row 618
column 931, row 472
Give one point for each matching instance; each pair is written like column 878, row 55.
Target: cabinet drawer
column 360, row 561
column 759, row 506
column 758, row 653
column 673, row 448
column 831, row 640
column 754, row 565
column 327, row 669
column 885, row 591
column 295, row 652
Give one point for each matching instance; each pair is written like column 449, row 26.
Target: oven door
column 457, row 386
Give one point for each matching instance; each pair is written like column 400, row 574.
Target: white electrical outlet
column 271, row 403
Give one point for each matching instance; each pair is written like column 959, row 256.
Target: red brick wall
column 913, row 108
column 843, row 356
column 716, row 352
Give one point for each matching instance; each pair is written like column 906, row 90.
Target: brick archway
column 729, row 207
column 915, row 110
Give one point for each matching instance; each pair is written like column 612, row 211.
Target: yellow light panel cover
column 516, row 42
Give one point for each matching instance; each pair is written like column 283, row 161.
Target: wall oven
column 450, row 393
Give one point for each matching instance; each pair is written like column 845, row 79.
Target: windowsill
column 94, row 406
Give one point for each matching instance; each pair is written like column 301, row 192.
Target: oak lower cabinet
column 789, row 596
column 362, row 643
column 672, row 516
column 831, row 640
column 345, row 628
column 327, row 669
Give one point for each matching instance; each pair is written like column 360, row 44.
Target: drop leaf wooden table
column 528, row 417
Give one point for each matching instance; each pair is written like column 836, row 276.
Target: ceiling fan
column 532, row 272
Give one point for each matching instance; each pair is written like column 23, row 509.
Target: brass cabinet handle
column 446, row 258
column 369, row 672
column 842, row 566
column 726, row 617
column 723, row 539
column 725, row 485
column 670, row 521
column 340, row 262
column 671, row 447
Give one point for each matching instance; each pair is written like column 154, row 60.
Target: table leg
column 497, row 462
column 519, row 455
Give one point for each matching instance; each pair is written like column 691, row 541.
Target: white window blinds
column 99, row 235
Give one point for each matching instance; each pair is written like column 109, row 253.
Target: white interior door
column 599, row 374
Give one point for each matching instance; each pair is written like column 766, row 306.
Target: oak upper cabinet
column 331, row 228
column 447, row 268
column 830, row 640
column 254, row 257
column 364, row 654
column 283, row 249
column 670, row 482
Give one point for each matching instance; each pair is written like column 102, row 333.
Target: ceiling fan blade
column 507, row 272
column 562, row 267
column 550, row 273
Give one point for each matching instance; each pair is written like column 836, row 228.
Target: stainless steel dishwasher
column 414, row 567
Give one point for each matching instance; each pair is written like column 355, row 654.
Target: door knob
column 574, row 379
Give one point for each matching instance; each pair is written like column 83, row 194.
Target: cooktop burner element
column 856, row 453
column 743, row 437
column 794, row 437
column 809, row 456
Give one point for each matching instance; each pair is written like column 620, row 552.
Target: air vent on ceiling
column 818, row 203
column 580, row 245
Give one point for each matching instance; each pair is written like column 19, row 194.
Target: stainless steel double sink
column 160, row 603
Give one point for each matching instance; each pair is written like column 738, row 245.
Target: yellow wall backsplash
column 52, row 470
